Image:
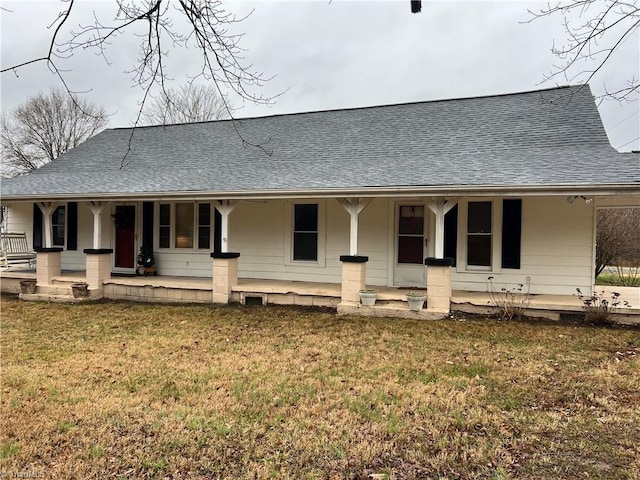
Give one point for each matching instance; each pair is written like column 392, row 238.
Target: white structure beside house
column 504, row 186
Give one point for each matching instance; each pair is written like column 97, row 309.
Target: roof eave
column 408, row 191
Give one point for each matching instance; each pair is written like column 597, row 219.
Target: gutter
column 364, row 192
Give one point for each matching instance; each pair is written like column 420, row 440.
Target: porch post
column 97, row 208
column 438, row 284
column 354, row 206
column 225, row 207
column 48, row 264
column 98, row 269
column 47, row 209
column 354, row 274
column 225, row 275
column 440, row 207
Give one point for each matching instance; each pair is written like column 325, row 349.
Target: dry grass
column 119, row 390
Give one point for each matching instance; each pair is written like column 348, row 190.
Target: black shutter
column 72, row 225
column 37, row 226
column 451, row 234
column 511, row 232
column 147, row 225
column 217, row 231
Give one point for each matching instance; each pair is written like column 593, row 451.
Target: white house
column 504, row 186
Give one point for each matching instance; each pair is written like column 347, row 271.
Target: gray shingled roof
column 546, row 138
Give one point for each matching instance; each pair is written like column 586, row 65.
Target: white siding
column 618, row 201
column 20, row 219
column 261, row 232
column 557, row 244
column 557, row 249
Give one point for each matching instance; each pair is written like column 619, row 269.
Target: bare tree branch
column 190, row 103
column 207, row 29
column 44, row 127
column 604, row 26
column 618, row 238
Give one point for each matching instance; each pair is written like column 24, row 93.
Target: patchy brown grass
column 146, row 391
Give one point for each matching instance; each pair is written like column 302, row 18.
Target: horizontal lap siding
column 618, row 201
column 261, row 232
column 182, row 264
column 373, row 240
column 557, row 250
column 20, row 219
column 255, row 230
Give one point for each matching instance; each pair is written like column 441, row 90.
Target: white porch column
column 440, row 207
column 97, row 208
column 225, row 207
column 354, row 206
column 47, row 209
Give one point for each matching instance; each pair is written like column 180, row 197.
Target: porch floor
column 464, row 301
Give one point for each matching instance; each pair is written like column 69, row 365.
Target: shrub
column 599, row 306
column 510, row 303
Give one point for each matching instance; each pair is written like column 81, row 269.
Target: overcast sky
column 328, row 55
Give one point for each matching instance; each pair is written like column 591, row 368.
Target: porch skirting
column 391, row 300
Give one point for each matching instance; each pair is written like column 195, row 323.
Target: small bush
column 626, row 276
column 599, row 306
column 511, row 303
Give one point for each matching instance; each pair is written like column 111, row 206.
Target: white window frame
column 496, row 235
column 289, row 225
column 172, row 227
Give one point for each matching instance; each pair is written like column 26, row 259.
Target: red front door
column 125, row 223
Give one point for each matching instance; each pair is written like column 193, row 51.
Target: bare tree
column 44, row 127
column 602, row 27
column 189, row 103
column 618, row 240
column 200, row 24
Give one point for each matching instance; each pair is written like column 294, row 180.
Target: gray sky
column 337, row 54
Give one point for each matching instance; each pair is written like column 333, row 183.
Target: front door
column 410, row 246
column 125, row 241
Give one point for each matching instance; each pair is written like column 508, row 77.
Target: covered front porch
column 391, row 301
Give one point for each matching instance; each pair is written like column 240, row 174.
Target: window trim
column 295, row 233
column 65, row 226
column 288, row 228
column 172, row 227
column 198, row 226
column 490, row 234
column 496, row 244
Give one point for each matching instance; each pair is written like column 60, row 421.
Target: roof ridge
column 344, row 109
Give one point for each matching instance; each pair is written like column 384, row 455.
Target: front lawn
column 123, row 390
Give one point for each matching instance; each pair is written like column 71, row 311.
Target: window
column 204, row 225
column 164, row 226
column 184, row 225
column 479, row 236
column 58, row 226
column 305, row 232
column 411, row 234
